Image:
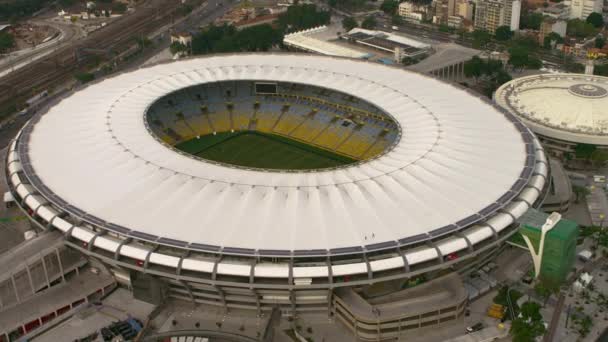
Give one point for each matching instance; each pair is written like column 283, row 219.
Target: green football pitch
column 260, row 150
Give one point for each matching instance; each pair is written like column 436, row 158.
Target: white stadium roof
column 458, row 161
column 570, row 107
column 305, row 41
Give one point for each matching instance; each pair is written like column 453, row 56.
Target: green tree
column 302, row 17
column 600, row 42
column 503, row 33
column 601, row 70
column 227, row 39
column 349, row 23
column 177, row 47
column 580, row 29
column 351, row 5
column 529, row 325
column 7, row 41
column 481, row 38
column 584, row 151
column 369, row 23
column 522, row 54
column 84, row 77
column 422, row 2
column 580, row 192
column 552, row 38
column 473, row 68
column 389, row 6
column 595, row 19
column 530, row 20
column 397, row 20
column 119, row 7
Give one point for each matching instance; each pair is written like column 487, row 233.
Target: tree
column 119, row 7
column 595, row 19
column 529, row 325
column 481, row 38
column 473, row 67
column 580, row 29
column 530, row 20
column 369, row 23
column 397, row 20
column 351, row 5
column 503, row 33
column 302, row 17
column 521, row 54
column 580, row 192
column 584, row 151
column 84, row 77
column 227, row 39
column 7, row 41
column 600, row 42
column 177, row 47
column 389, row 6
column 552, row 38
column 349, row 23
column 601, row 70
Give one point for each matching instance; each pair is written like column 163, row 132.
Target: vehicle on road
column 475, row 327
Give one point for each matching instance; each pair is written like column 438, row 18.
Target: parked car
column 476, row 327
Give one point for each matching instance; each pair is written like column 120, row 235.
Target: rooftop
column 570, row 107
column 112, row 171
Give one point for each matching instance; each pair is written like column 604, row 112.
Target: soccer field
column 255, row 149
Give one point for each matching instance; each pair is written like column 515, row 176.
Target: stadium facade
column 564, row 110
column 439, row 179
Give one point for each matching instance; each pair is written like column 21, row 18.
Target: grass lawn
column 260, row 150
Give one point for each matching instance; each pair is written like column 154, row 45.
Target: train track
column 60, row 65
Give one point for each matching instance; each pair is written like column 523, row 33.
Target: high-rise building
column 580, row 9
column 464, row 9
column 515, row 13
column 491, row 14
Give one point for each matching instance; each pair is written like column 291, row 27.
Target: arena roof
column 459, row 160
column 569, row 107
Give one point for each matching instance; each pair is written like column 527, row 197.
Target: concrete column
column 46, row 273
column 29, row 276
column 15, row 288
column 60, row 264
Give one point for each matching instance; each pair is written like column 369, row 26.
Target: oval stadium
column 263, row 181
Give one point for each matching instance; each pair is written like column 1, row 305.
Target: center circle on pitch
column 276, row 126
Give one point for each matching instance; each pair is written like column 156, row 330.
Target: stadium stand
column 319, row 117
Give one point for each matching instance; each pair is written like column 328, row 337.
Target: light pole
column 510, row 304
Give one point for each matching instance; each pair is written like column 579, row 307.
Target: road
column 202, row 16
column 18, row 59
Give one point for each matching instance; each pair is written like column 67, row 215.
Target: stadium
column 283, row 182
column 564, row 110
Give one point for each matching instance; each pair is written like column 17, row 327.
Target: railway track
column 60, row 65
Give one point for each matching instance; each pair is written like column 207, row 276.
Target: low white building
column 184, row 38
column 306, row 41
